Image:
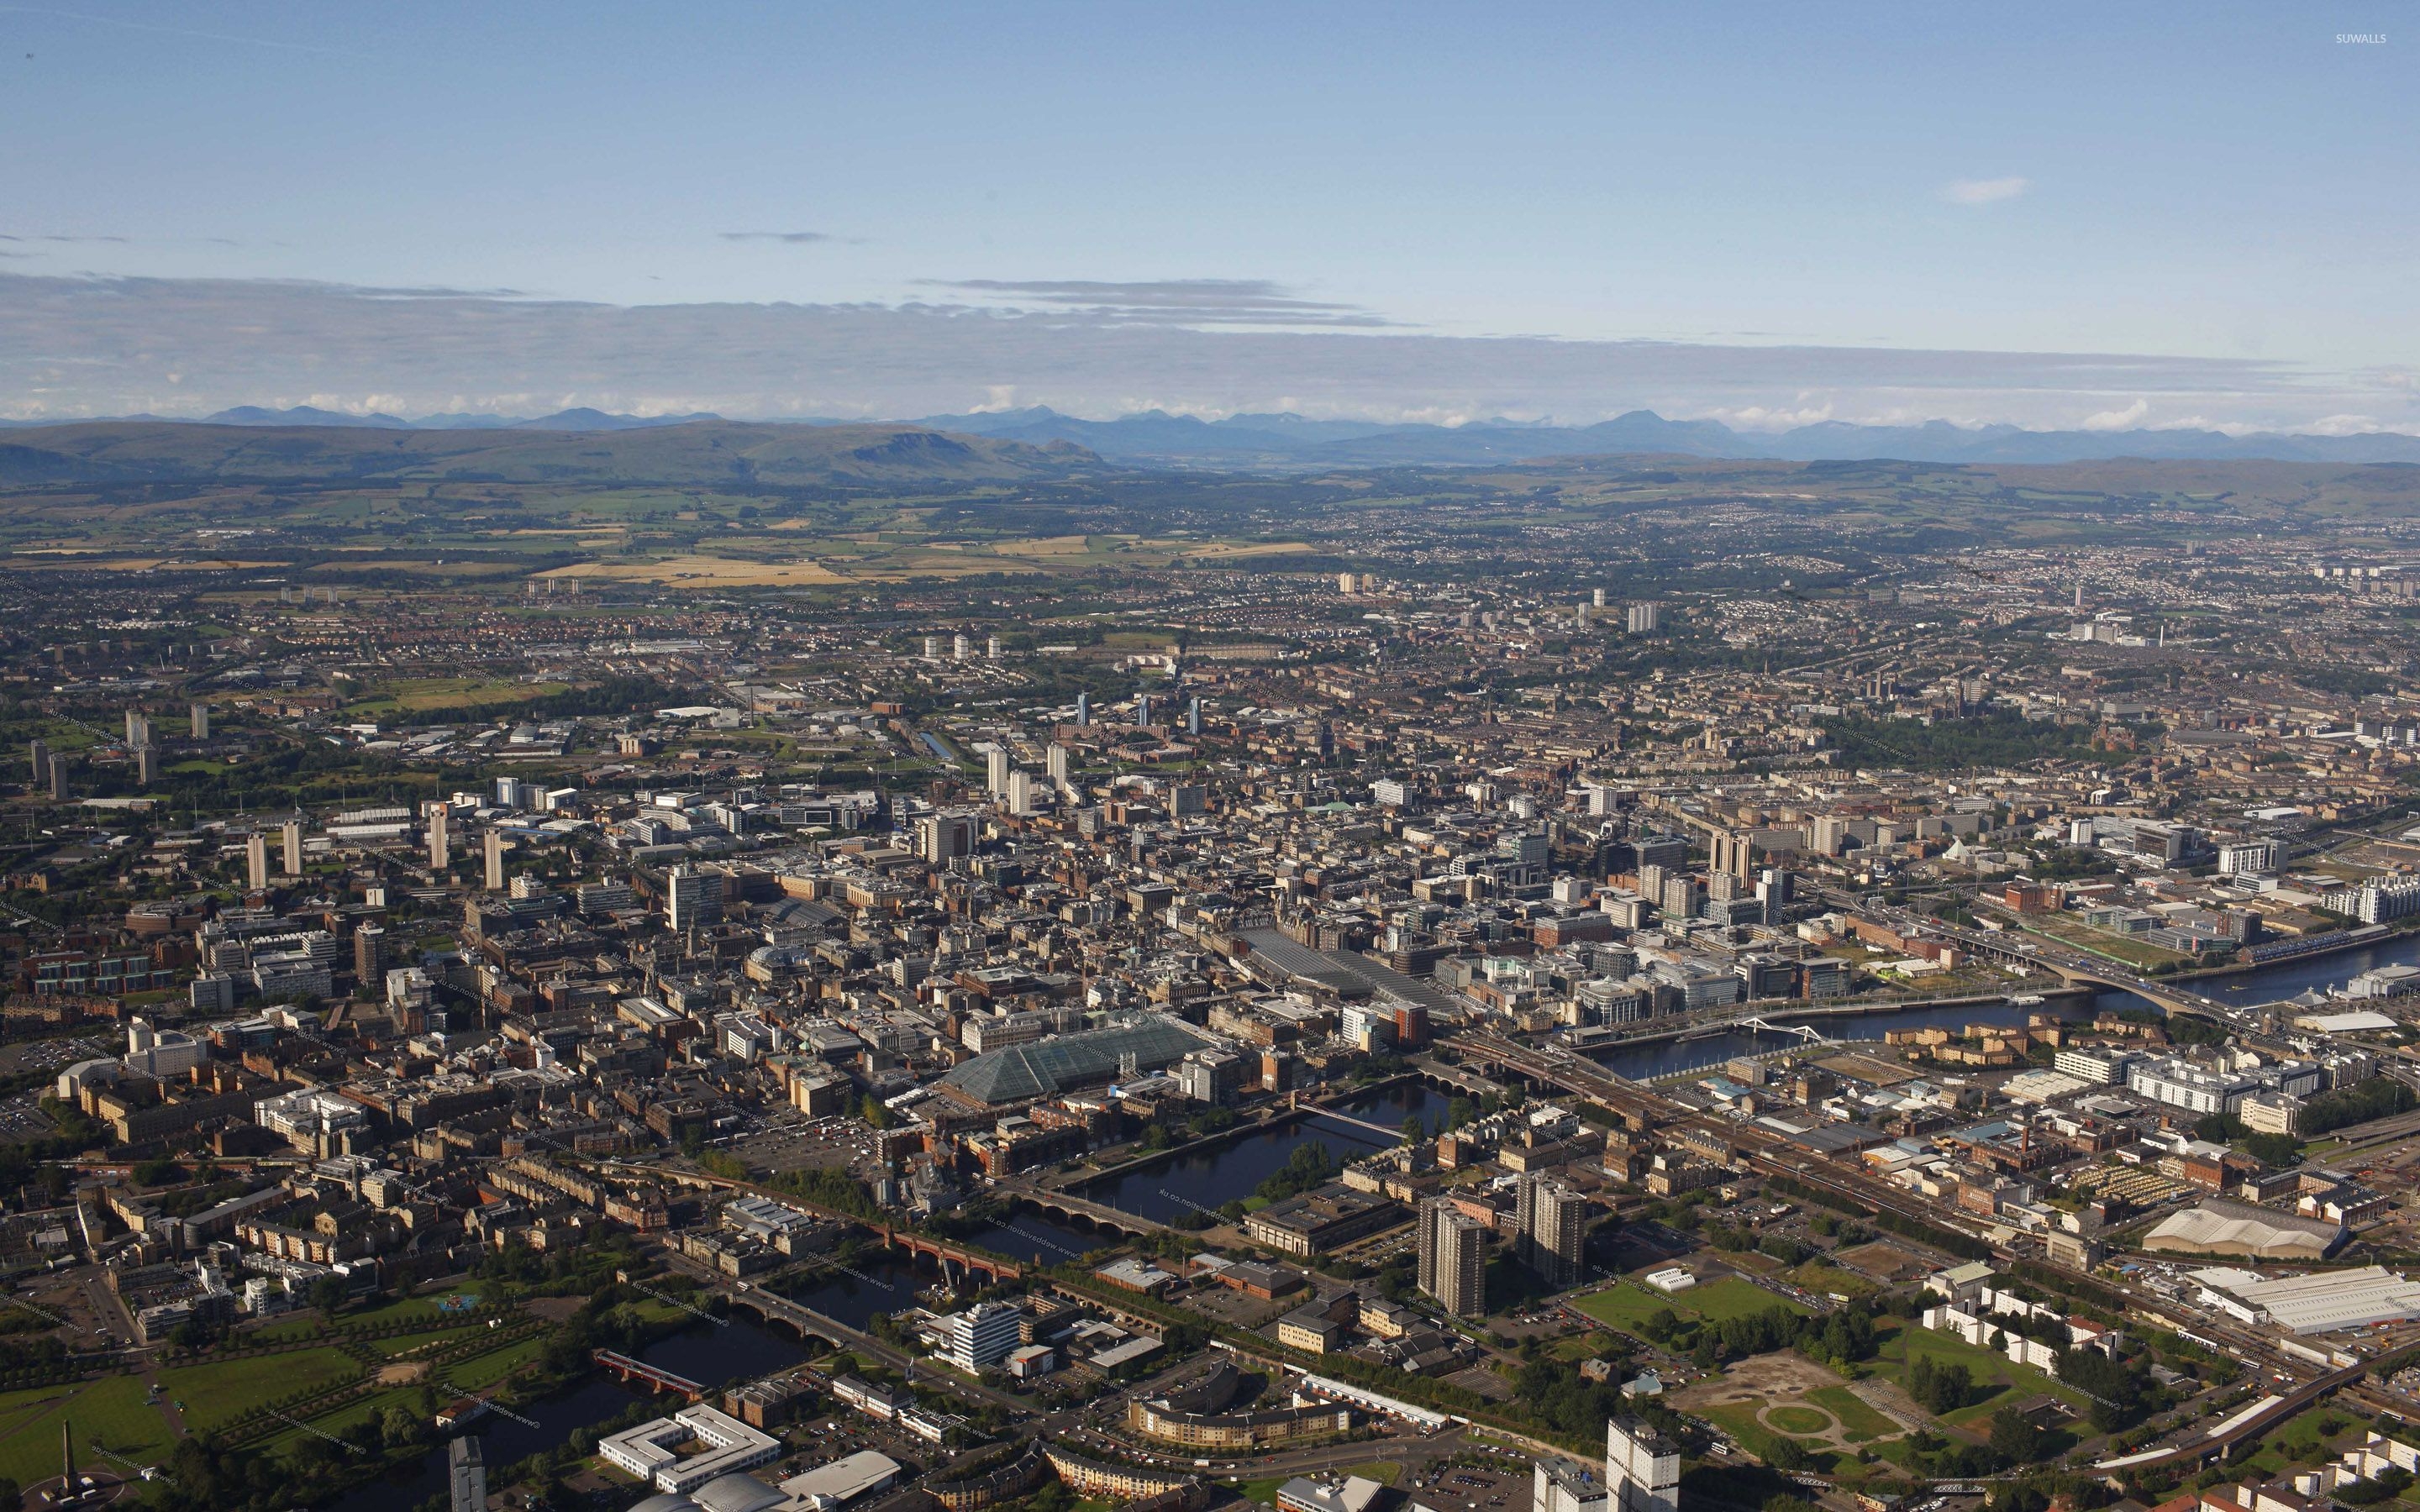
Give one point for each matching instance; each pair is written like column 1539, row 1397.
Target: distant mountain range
column 709, row 452
column 1290, row 442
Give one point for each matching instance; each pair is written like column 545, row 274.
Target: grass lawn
column 1797, row 1420
column 481, row 1371
column 1380, row 1470
column 406, row 1343
column 216, row 1391
column 1815, row 1275
column 2299, row 1441
column 1629, row 1305
column 1738, row 1419
column 1732, row 1297
column 341, row 1423
column 1912, row 1344
column 1625, row 1306
column 1586, row 1346
column 111, row 1411
column 1858, row 1418
column 1263, row 1491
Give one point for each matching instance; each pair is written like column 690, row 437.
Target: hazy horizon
column 2072, row 218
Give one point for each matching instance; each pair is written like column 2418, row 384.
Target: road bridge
column 1067, row 1207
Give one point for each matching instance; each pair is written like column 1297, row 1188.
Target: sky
column 1765, row 214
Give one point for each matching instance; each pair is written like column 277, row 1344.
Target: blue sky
column 2228, row 187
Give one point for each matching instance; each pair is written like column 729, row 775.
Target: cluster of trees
column 2268, row 1149
column 1944, row 1386
column 1310, row 1165
column 1780, row 1246
column 1566, row 1401
column 2121, row 1390
column 1837, row 1338
column 1847, row 1232
column 2377, row 1098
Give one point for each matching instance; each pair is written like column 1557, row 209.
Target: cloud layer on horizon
column 79, row 347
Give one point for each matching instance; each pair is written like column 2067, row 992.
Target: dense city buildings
column 1310, row 1002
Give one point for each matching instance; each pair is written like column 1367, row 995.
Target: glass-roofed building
column 1046, row 1068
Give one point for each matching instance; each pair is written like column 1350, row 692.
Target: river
column 2266, row 985
column 1234, row 1169
column 883, row 1282
column 738, row 1350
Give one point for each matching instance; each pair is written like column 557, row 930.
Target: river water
column 739, row 1350
column 884, row 1283
column 2267, row 985
column 1222, row 1173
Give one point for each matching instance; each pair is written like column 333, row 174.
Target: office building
column 725, row 1447
column 692, row 898
column 1083, row 709
column 1453, row 1259
column 1142, row 710
column 942, row 837
column 494, row 848
column 980, row 1337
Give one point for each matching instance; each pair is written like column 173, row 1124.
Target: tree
column 876, row 1114
column 399, row 1426
column 1786, row 1454
column 2014, row 1437
column 329, row 1293
column 2273, row 1149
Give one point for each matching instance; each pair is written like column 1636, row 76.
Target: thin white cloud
column 2129, row 418
column 96, row 346
column 1984, row 190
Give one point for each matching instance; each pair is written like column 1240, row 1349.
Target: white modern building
column 980, row 1337
column 726, row 1445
